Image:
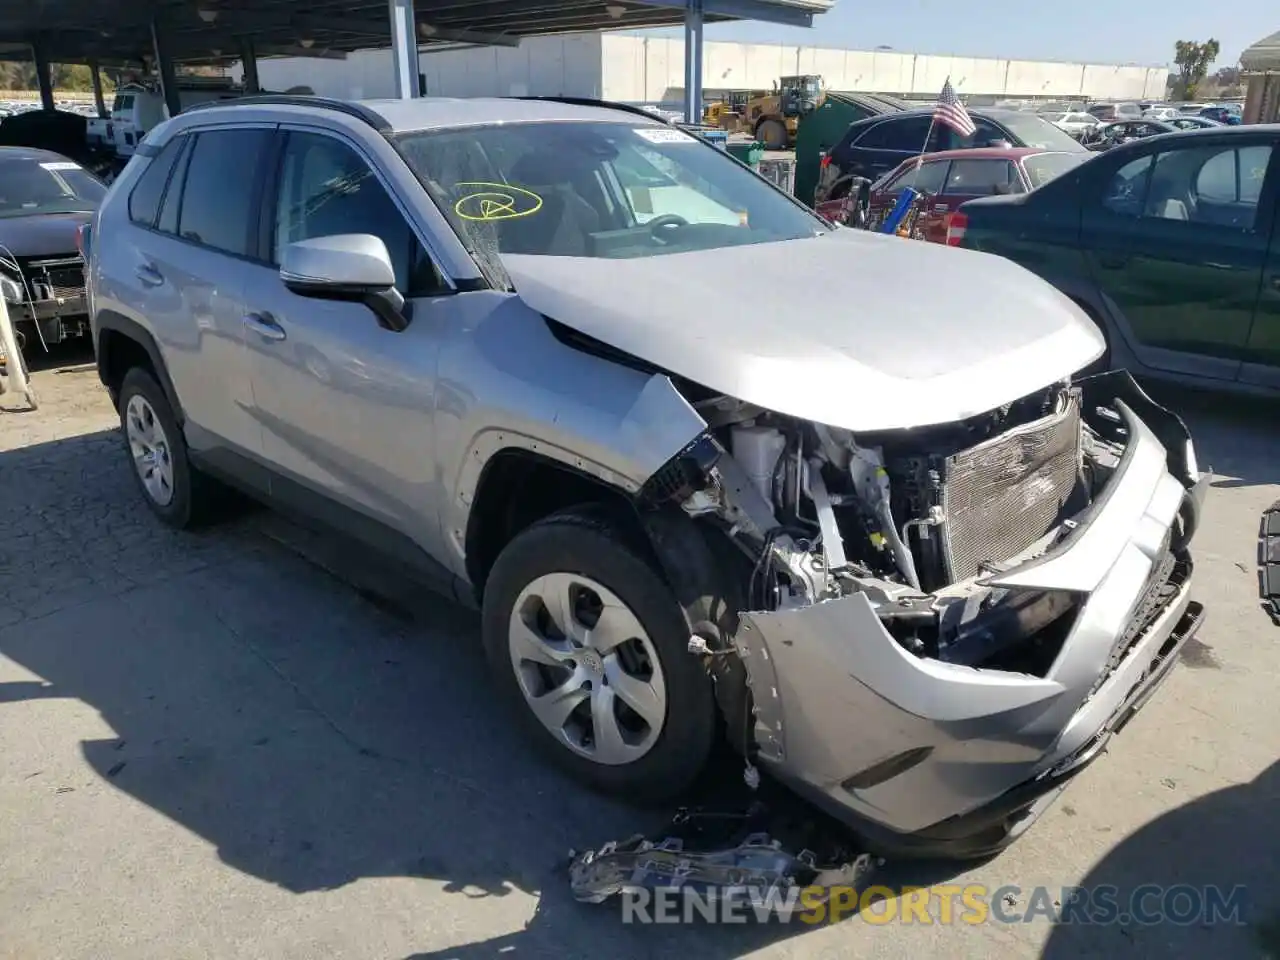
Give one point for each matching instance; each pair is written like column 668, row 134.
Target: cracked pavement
column 213, row 747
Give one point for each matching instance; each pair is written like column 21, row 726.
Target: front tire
column 773, row 134
column 175, row 491
column 590, row 646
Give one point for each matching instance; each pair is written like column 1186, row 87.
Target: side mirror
column 349, row 266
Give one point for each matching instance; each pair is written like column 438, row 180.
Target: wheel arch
column 120, row 344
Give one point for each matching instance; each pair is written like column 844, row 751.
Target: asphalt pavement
column 228, row 745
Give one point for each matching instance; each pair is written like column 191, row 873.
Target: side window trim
column 269, row 197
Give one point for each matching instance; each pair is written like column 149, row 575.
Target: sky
column 1089, row 31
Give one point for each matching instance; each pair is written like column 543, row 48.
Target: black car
column 45, row 199
column 873, row 147
column 1108, row 135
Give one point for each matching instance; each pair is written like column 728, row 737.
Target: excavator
column 772, row 117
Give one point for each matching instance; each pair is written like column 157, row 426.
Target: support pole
column 44, row 76
column 404, row 48
column 95, row 73
column 693, row 19
column 249, row 62
column 164, row 66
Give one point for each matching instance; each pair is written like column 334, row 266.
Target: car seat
column 563, row 225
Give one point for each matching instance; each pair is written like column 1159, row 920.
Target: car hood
column 41, row 235
column 850, row 329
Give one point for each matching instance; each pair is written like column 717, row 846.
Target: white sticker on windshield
column 664, row 135
column 61, row 165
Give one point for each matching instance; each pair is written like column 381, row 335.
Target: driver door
column 346, row 405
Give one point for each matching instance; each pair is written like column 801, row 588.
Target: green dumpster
column 821, row 130
column 750, row 152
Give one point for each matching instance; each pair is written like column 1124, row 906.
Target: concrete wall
column 651, row 69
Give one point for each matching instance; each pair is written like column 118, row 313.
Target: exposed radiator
column 1006, row 493
column 60, row 278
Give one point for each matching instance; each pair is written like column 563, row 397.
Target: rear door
column 968, row 180
column 927, row 178
column 188, row 255
column 1261, row 365
column 1177, row 240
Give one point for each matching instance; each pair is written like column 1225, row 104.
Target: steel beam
column 95, row 74
column 164, row 68
column 404, row 48
column 249, row 64
column 762, row 10
column 44, row 76
column 693, row 23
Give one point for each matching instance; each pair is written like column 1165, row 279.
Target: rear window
column 31, row 187
column 980, row 178
column 1043, row 167
column 144, row 202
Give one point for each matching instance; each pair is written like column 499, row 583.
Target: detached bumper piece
column 1269, row 561
column 719, row 856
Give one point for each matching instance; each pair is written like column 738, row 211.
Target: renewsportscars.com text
column 944, row 904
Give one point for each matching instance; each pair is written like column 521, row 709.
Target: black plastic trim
column 359, row 111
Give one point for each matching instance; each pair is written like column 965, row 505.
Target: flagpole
column 933, row 119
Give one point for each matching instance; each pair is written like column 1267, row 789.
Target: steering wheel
column 665, row 221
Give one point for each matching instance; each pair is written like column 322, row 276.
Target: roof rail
column 360, row 112
column 605, row 104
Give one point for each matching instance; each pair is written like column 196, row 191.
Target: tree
column 1227, row 77
column 1192, row 60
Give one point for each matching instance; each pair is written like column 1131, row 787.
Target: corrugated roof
column 1263, row 55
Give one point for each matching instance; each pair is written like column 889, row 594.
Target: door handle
column 1275, row 281
column 1113, row 262
column 149, row 275
column 264, row 325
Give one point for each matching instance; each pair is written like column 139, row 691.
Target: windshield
column 29, row 187
column 598, row 189
column 1035, row 131
column 1043, row 167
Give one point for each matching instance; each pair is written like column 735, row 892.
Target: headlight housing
column 11, row 290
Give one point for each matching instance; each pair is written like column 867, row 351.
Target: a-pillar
column 164, row 67
column 249, row 63
column 404, row 48
column 693, row 20
column 44, row 76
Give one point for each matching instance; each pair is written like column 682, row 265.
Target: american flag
column 952, row 112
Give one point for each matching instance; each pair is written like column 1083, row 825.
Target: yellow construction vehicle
column 774, row 117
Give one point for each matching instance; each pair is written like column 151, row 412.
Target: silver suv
column 863, row 524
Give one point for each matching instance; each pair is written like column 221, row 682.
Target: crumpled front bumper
column 932, row 758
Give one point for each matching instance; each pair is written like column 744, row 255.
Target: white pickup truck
column 136, row 110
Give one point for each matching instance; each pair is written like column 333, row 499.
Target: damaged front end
column 938, row 627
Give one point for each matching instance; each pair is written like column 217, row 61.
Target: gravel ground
column 214, row 748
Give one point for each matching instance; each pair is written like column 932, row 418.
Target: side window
column 985, row 134
column 926, row 178
column 144, row 201
column 1126, row 192
column 217, row 198
column 1212, row 186
column 327, row 189
column 906, row 135
column 980, row 178
column 168, row 222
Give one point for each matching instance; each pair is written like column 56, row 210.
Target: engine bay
column 913, row 519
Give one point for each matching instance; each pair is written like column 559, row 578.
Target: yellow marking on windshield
column 495, row 201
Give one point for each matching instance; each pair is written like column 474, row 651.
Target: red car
column 953, row 176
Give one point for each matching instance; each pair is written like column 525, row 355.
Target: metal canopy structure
column 157, row 34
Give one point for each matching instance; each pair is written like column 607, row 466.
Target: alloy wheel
column 150, row 450
column 587, row 668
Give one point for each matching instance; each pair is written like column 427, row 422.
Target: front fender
column 511, row 384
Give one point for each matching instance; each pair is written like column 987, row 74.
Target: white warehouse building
column 639, row 69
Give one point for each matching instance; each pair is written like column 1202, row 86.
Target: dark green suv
column 1170, row 244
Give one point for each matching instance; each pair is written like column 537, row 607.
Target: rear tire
column 179, row 494
column 553, row 653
